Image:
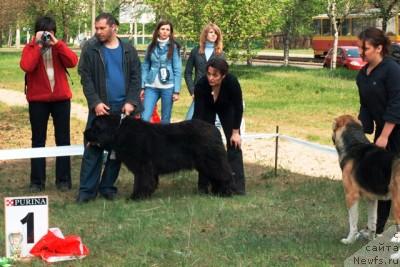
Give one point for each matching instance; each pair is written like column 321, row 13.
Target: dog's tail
column 394, row 188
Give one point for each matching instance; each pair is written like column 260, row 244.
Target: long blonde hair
column 203, row 38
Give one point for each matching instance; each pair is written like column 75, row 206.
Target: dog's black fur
column 149, row 150
column 372, row 165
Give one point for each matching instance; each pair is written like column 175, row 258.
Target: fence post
column 276, row 150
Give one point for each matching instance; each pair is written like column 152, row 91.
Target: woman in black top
column 379, row 89
column 219, row 93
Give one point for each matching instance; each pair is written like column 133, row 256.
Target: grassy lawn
column 302, row 102
column 289, row 220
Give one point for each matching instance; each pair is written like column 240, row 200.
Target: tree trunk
column 286, row 43
column 384, row 24
column 335, row 33
column 184, row 51
column 9, row 41
column 1, row 38
column 18, row 36
column 93, row 16
column 249, row 58
column 66, row 31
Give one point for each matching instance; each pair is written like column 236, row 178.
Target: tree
column 67, row 12
column 243, row 22
column 296, row 20
column 337, row 11
column 387, row 10
column 12, row 15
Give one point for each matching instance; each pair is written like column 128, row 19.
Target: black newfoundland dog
column 149, row 150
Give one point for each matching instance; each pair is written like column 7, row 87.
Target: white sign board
column 140, row 13
column 26, row 221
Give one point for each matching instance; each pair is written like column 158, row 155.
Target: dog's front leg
column 372, row 218
column 353, row 222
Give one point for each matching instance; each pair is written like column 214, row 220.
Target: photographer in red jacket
column 44, row 61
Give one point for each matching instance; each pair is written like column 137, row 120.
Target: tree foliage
column 243, row 22
column 296, row 19
column 387, row 9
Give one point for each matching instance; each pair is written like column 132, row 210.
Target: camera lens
column 46, row 37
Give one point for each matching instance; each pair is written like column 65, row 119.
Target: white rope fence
column 77, row 150
column 41, row 152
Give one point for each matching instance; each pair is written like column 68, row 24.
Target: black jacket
column 198, row 62
column 229, row 104
column 380, row 99
column 93, row 79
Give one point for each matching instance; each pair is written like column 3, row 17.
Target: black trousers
column 39, row 116
column 385, row 205
column 235, row 156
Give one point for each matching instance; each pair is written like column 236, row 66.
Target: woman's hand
column 175, row 97
column 128, row 108
column 38, row 38
column 383, row 138
column 53, row 39
column 381, row 141
column 236, row 140
column 141, row 95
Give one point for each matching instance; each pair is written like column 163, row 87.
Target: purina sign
column 26, row 221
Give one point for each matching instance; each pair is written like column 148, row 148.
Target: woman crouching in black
column 219, row 93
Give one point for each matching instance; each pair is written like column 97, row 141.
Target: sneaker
column 34, row 188
column 109, row 196
column 63, row 187
column 83, row 200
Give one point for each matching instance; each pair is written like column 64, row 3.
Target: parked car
column 347, row 56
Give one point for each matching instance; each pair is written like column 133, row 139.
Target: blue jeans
column 151, row 96
column 92, row 180
column 189, row 114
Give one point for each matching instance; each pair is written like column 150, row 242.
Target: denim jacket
column 152, row 63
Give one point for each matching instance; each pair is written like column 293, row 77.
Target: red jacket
column 39, row 88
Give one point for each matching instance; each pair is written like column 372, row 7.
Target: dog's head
column 102, row 131
column 339, row 125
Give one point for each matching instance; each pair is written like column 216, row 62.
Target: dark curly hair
column 375, row 37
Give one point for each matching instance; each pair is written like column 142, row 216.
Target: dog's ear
column 343, row 120
column 335, row 124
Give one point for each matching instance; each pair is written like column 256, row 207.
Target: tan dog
column 367, row 170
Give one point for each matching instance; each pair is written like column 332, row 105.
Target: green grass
column 276, row 224
column 303, row 102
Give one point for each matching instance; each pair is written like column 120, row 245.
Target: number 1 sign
column 26, row 221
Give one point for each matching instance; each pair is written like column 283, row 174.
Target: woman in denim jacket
column 161, row 72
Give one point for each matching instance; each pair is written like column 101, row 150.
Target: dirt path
column 294, row 157
column 15, row 98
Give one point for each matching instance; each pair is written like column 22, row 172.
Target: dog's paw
column 396, row 238
column 366, row 234
column 395, row 256
column 350, row 239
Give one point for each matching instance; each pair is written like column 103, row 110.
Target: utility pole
column 93, row 16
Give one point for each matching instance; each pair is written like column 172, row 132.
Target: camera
column 46, row 37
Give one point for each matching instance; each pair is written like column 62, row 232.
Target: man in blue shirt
column 110, row 76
